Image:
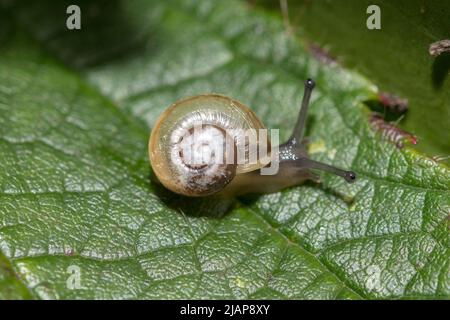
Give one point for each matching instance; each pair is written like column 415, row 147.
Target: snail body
column 211, row 144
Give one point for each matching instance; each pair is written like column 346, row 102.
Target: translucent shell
column 222, row 119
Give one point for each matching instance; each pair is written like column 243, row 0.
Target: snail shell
column 194, row 146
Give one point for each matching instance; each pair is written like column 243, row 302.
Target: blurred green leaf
column 395, row 58
column 76, row 108
column 11, row 286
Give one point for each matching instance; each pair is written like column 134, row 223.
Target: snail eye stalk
column 297, row 138
column 297, row 134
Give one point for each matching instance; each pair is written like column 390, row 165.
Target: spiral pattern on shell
column 193, row 146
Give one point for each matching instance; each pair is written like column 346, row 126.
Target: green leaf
column 10, row 284
column 78, row 204
column 395, row 58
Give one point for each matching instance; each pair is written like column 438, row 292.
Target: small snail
column 197, row 148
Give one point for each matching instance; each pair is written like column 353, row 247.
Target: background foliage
column 395, row 58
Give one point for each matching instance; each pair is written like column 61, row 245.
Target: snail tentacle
column 293, row 152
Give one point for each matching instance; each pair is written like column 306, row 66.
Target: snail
column 211, row 144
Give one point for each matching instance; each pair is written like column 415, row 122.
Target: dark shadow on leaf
column 107, row 32
column 5, row 27
column 211, row 207
column 441, row 69
column 388, row 114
